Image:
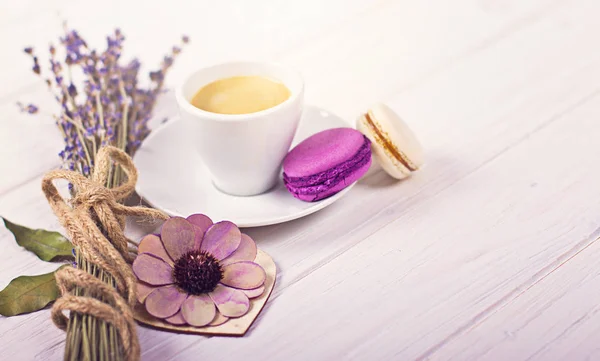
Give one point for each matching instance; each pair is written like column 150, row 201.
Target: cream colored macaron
column 394, row 145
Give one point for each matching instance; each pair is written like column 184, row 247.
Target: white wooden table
column 488, row 253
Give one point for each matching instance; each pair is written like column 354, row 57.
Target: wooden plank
column 397, row 48
column 553, row 318
column 505, row 87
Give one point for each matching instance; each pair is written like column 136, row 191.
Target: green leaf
column 45, row 244
column 27, row 294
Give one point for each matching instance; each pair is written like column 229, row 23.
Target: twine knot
column 95, row 222
column 93, row 195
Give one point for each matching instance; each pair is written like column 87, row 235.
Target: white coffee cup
column 243, row 152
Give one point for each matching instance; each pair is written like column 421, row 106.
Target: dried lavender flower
column 29, row 108
column 108, row 107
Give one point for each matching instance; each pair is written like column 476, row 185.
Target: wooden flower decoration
column 198, row 273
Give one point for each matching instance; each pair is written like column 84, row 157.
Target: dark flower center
column 197, row 272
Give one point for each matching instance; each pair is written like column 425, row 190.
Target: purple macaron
column 325, row 163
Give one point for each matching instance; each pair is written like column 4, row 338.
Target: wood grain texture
column 488, row 253
column 554, row 317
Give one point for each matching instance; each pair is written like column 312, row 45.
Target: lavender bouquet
column 101, row 103
column 109, row 107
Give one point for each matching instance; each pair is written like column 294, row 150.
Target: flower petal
column 143, row 290
column 255, row 292
column 219, row 319
column 164, row 301
column 198, row 310
column 176, row 319
column 199, row 236
column 153, row 245
column 229, row 301
column 178, row 236
column 246, row 251
column 152, row 270
column 201, row 224
column 221, row 239
column 245, row 275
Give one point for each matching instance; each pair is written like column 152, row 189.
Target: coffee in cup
column 242, row 118
column 240, row 95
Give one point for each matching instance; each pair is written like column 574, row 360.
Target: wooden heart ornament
column 197, row 276
column 234, row 326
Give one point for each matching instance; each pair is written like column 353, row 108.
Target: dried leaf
column 45, row 244
column 28, row 294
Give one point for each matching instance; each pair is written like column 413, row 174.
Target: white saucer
column 173, row 178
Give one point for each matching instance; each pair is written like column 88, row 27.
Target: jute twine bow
column 95, row 221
